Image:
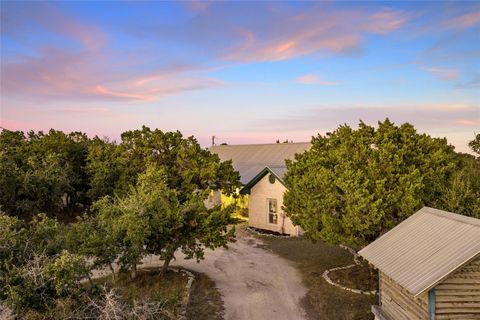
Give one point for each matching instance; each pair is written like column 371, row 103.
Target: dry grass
column 322, row 301
column 360, row 277
column 150, row 285
column 205, row 300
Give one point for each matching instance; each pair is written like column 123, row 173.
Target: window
column 272, row 211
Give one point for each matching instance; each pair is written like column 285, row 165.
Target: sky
column 244, row 72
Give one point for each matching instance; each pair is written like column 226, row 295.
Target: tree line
column 355, row 184
column 122, row 202
column 145, row 195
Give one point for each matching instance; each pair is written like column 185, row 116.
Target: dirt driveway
column 255, row 283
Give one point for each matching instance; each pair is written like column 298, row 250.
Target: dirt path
column 255, row 283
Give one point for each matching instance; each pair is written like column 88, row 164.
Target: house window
column 272, row 211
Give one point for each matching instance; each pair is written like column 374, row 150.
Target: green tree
column 42, row 172
column 151, row 219
column 106, row 169
column 475, row 144
column 34, row 268
column 353, row 185
column 90, row 238
column 187, row 166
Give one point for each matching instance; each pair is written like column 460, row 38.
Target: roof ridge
column 453, row 216
column 260, row 144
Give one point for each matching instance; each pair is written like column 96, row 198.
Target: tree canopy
column 60, row 173
column 355, row 184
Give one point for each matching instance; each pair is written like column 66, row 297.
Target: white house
column 261, row 168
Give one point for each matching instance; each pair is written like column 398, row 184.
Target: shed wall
column 458, row 296
column 400, row 304
column 258, row 210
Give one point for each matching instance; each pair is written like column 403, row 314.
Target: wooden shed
column 429, row 267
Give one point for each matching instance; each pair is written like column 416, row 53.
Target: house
column 261, row 168
column 429, row 267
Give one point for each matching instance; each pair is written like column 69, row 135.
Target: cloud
column 61, row 70
column 473, row 82
column 198, row 6
column 87, row 110
column 464, row 21
column 443, row 73
column 21, row 21
column 274, row 31
column 319, row 30
column 311, row 79
column 434, row 117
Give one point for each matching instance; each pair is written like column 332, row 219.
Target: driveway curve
column 254, row 282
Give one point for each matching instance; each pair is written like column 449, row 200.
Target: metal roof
column 424, row 249
column 250, row 159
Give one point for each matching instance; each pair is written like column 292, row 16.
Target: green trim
column 247, row 188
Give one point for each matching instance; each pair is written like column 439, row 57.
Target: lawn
column 324, row 301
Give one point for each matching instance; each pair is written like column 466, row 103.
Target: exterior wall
column 258, row 207
column 397, row 303
column 458, row 296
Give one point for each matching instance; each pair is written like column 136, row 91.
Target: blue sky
column 246, row 72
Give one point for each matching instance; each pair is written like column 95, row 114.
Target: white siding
column 258, row 207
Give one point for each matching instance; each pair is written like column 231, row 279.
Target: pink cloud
column 318, row 30
column 87, row 110
column 311, row 79
column 47, row 16
column 464, row 21
column 102, row 91
column 198, row 6
column 59, row 74
column 443, row 73
column 468, row 122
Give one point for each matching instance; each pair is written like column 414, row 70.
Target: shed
column 261, row 168
column 429, row 267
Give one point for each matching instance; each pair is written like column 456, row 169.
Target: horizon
column 290, row 71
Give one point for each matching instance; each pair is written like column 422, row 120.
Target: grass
column 205, row 300
column 360, row 277
column 323, row 301
column 149, row 284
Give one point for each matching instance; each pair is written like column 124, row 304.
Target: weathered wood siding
column 458, row 296
column 400, row 304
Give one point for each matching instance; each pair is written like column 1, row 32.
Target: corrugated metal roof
column 425, row 248
column 250, row 159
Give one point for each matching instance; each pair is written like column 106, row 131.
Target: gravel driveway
column 255, row 283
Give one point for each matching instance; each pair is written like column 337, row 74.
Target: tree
column 90, row 238
column 151, row 219
column 107, row 170
column 462, row 194
column 475, row 144
column 187, row 166
column 353, row 185
column 34, row 268
column 42, row 172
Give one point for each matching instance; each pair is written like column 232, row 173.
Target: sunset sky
column 246, row 72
